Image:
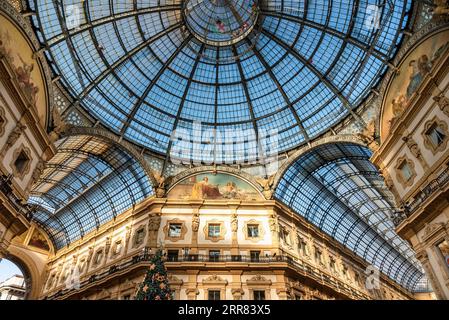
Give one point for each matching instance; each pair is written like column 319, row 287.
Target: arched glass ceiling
column 86, row 184
column 339, row 190
column 146, row 68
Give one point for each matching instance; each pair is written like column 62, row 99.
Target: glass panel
column 253, row 230
column 174, row 230
column 214, row 230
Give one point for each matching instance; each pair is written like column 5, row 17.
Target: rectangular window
column 255, row 255
column 174, row 230
column 214, row 255
column 443, row 247
column 253, row 231
column 406, row 171
column 259, row 294
column 214, row 294
column 172, row 255
column 436, row 135
column 214, row 230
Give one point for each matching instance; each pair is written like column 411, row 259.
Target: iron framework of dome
column 290, row 69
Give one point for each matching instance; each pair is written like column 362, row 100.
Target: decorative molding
column 3, row 121
column 430, row 29
column 135, row 242
column 258, row 280
column 405, row 183
column 431, row 229
column 261, row 231
column 215, row 280
column 13, row 136
column 412, row 145
column 443, row 103
column 222, row 230
column 26, row 169
column 29, row 34
column 427, row 143
column 167, row 230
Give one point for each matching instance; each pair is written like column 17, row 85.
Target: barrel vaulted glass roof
column 146, row 68
column 86, row 184
column 339, row 190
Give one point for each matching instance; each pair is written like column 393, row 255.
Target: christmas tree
column 155, row 285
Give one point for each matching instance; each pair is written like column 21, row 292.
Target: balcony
column 300, row 267
column 434, row 186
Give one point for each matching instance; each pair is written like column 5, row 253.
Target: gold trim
column 135, row 244
column 26, row 170
column 261, row 230
column 3, row 121
column 98, row 257
column 222, row 230
column 427, row 142
column 167, row 230
column 405, row 183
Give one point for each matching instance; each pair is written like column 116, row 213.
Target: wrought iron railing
column 6, row 188
column 145, row 256
column 430, row 189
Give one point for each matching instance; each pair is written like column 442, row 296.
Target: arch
column 111, row 137
column 90, row 181
column 339, row 138
column 430, row 30
column 26, row 31
column 215, row 169
column 34, row 279
column 335, row 187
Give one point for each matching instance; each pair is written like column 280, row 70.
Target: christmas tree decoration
column 155, row 285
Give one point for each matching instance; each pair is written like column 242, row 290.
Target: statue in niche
column 443, row 103
column 13, row 137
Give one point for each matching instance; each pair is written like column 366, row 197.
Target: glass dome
column 219, row 74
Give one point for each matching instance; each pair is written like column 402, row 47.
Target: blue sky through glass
column 299, row 71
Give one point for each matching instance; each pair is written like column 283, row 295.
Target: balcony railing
column 6, row 188
column 430, row 189
column 145, row 256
